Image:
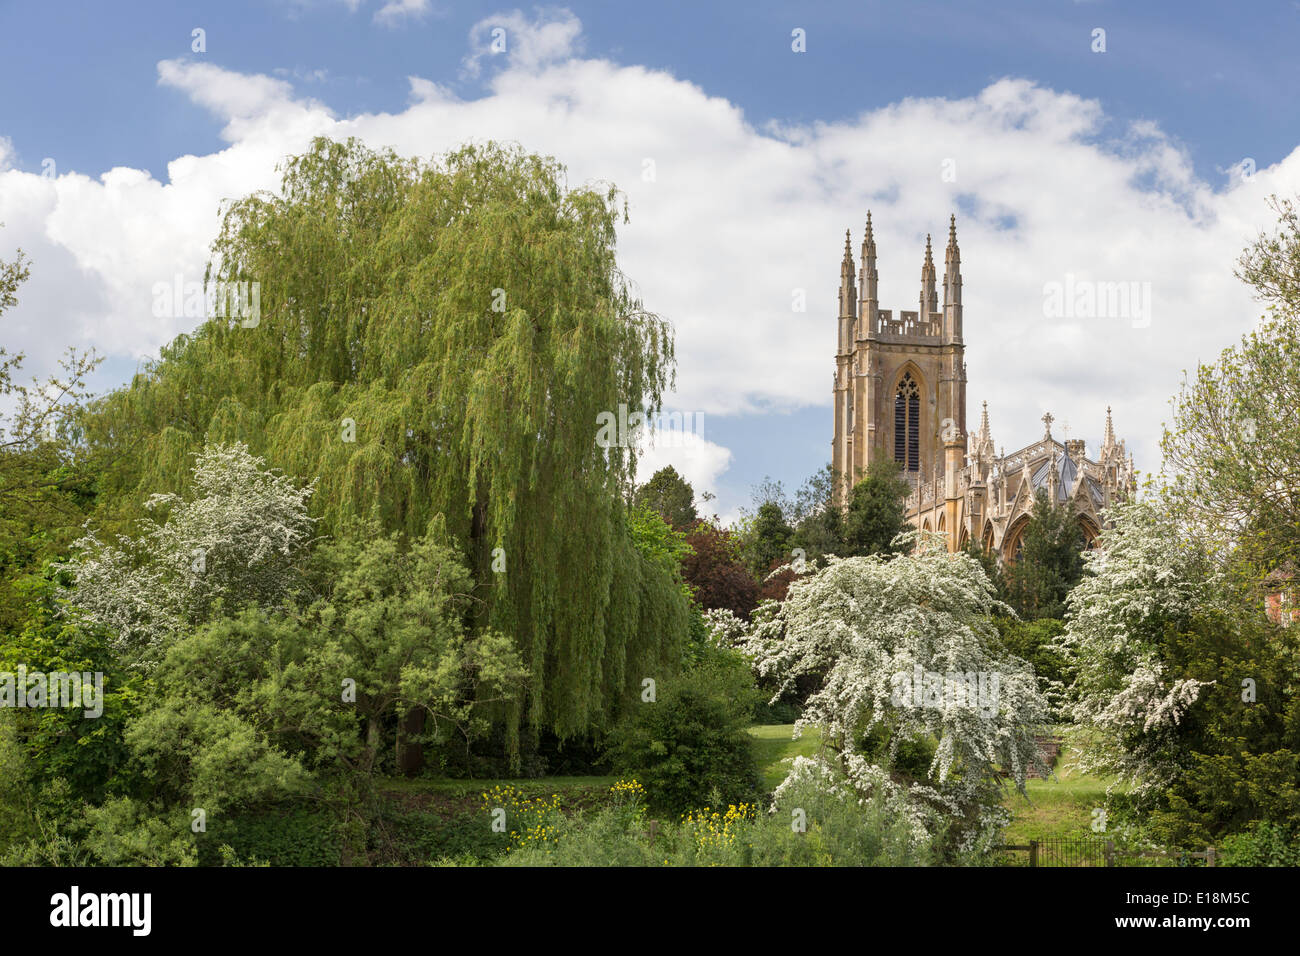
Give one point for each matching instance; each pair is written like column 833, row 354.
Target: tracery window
column 907, row 424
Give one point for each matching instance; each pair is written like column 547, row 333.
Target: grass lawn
column 1057, row 808
column 532, row 787
column 776, row 750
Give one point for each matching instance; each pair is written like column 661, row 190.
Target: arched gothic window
column 907, row 424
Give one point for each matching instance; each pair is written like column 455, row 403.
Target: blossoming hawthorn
column 235, row 538
column 1145, row 578
column 862, row 621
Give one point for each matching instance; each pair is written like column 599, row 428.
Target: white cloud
column 395, row 12
column 524, row 44
column 698, row 460
column 732, row 222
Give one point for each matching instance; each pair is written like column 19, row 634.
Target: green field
column 1059, row 807
column 776, row 749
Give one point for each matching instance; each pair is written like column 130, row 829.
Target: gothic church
column 900, row 395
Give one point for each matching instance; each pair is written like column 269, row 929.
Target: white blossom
column 859, row 623
column 1143, row 578
column 232, row 539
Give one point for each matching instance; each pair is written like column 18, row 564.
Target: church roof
column 1067, row 471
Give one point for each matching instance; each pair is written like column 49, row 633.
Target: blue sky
column 1182, row 93
column 1220, row 77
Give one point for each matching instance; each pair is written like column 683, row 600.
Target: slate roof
column 1068, row 470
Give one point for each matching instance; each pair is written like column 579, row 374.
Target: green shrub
column 912, row 755
column 690, row 747
column 416, row 837
column 809, row 827
column 1034, row 641
column 784, row 711
column 293, row 836
column 838, row 830
column 1265, row 844
column 598, row 838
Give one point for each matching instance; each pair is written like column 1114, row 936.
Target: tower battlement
column 908, row 326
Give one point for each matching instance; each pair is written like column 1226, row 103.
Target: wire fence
column 1099, row 851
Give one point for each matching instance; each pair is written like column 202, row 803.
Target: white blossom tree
column 235, row 540
column 1145, row 577
column 907, row 653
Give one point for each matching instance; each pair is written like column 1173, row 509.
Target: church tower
column 900, row 395
column 900, row 383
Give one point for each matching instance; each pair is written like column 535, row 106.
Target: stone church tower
column 900, row 395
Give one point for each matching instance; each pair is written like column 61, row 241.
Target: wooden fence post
column 1033, row 852
column 1110, row 852
column 1209, row 856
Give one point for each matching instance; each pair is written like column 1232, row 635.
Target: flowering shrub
column 529, row 821
column 713, row 830
column 1143, row 581
column 812, row 826
column 866, row 623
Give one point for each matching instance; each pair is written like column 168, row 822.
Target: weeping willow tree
column 437, row 339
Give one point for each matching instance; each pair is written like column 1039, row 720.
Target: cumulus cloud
column 735, row 226
column 522, row 43
column 698, row 460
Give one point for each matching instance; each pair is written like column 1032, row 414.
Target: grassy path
column 776, row 749
column 1059, row 807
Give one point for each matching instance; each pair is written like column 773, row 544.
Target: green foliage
column 1037, row 642
column 87, row 752
column 249, row 709
column 671, row 495
column 468, row 316
column 394, row 624
column 992, row 567
column 819, row 520
column 808, row 826
column 18, row 811
column 1050, row 563
column 769, row 542
column 1264, row 844
column 690, row 746
column 1236, row 756
column 875, row 514
column 127, row 832
column 656, row 540
column 866, row 523
column 416, row 837
column 900, row 750
column 599, row 838
column 1233, row 423
column 290, row 836
column 47, row 480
